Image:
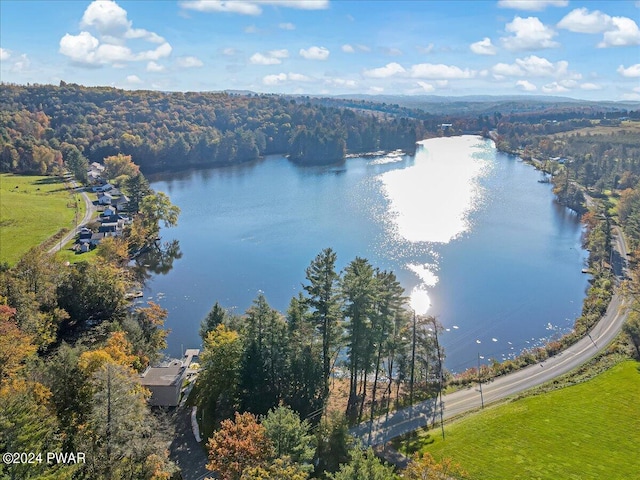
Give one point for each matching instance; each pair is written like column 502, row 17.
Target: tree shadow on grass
column 47, row 181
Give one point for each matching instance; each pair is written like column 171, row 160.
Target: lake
column 471, row 233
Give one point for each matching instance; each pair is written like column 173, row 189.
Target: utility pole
column 480, row 382
column 435, row 331
column 413, row 360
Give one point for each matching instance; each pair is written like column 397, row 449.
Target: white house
column 105, row 199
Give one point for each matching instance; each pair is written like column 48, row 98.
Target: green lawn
column 67, row 254
column 32, row 209
column 589, row 431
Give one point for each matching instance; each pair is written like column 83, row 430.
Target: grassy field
column 67, row 254
column 589, row 431
column 32, row 209
column 629, row 126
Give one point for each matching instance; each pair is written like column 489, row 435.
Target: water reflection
column 157, row 260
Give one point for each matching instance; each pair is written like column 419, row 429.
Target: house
column 93, row 176
column 108, row 212
column 85, row 247
column 104, row 199
column 96, row 238
column 121, row 203
column 103, row 188
column 97, row 167
column 111, row 229
column 165, row 380
column 85, row 236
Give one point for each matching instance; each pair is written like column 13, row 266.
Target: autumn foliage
column 239, row 444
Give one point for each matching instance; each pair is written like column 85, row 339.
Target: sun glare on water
column 431, row 200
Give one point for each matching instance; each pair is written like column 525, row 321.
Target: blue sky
column 581, row 49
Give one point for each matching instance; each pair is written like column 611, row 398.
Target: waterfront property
column 165, row 380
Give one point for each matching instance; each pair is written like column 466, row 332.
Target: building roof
column 170, row 372
column 167, row 374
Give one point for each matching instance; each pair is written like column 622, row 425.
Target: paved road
column 188, row 454
column 409, row 419
column 90, row 211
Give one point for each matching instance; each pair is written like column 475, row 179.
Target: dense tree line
column 41, row 124
column 70, row 351
column 353, row 327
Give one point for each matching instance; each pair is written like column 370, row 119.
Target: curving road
column 90, row 211
column 409, row 419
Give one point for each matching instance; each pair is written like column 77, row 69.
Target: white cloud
column 392, row 51
column 534, row 66
column 4, row 54
column 425, row 50
column 483, row 47
column 389, row 70
column 624, row 33
column 528, row 34
column 22, row 64
column 133, row 79
column 315, row 53
column 282, row 53
column 229, row 52
column 298, row 77
column 280, row 78
column 581, row 21
column 375, row 90
column 426, row 87
column 341, row 83
column 154, row 67
column 80, row 48
column 618, row 31
column 245, row 7
column 631, row 96
column 441, row 71
column 270, row 58
column 347, row 48
column 526, row 85
column 590, row 86
column 533, row 5
column 114, row 29
column 260, row 59
column 189, row 62
column 110, row 20
column 275, row 79
column 554, row 87
column 162, row 51
column 251, row 29
column 633, row 71
column 287, row 26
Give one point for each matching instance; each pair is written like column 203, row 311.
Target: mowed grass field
column 629, row 126
column 589, row 431
column 32, row 209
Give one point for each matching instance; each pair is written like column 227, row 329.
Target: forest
column 40, row 124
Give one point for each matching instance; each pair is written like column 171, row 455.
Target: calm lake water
column 472, row 235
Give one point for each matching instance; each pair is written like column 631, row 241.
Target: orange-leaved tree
column 238, row 445
column 426, row 467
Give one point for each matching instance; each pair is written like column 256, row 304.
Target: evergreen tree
column 364, row 465
column 216, row 316
column 359, row 290
column 323, row 299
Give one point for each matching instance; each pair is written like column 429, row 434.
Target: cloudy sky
column 582, row 49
